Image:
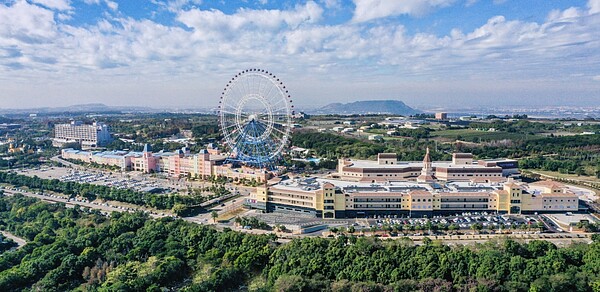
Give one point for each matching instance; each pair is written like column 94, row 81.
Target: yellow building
column 341, row 199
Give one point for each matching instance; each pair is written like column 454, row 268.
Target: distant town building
column 14, row 148
column 375, row 137
column 441, row 116
column 5, row 126
column 299, row 115
column 88, row 136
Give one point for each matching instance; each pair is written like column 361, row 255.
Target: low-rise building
column 180, row 163
column 461, row 168
column 375, row 137
column 326, row 198
column 441, row 116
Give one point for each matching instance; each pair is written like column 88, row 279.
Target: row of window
column 558, row 207
column 485, row 174
column 467, row 206
column 465, row 200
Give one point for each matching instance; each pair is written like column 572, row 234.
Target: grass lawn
column 231, row 214
column 583, row 178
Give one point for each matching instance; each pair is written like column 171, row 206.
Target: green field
column 471, row 135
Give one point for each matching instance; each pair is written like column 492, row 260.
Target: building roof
column 563, row 195
column 420, row 193
column 462, row 155
column 548, row 184
column 512, row 185
column 328, row 185
column 387, row 155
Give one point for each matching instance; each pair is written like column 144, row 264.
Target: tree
column 476, row 227
column 214, row 216
column 453, row 227
column 351, row 229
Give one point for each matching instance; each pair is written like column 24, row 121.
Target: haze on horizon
column 180, row 53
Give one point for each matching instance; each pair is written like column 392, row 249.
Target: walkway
column 20, row 241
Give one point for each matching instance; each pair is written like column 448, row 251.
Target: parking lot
column 464, row 220
column 463, row 223
column 120, row 180
column 284, row 218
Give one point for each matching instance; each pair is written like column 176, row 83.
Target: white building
column 88, row 136
column 375, row 137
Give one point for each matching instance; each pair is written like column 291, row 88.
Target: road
column 20, row 241
column 66, row 163
column 58, row 199
column 199, row 219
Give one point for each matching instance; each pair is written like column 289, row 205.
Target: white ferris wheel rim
column 274, row 116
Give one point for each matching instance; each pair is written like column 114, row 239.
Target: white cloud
column 597, row 78
column 110, row 4
column 26, row 23
column 294, row 43
column 176, row 5
column 332, row 4
column 55, row 4
column 372, row 9
column 212, row 23
column 594, row 6
column 470, row 3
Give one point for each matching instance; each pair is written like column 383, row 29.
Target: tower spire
column 427, row 170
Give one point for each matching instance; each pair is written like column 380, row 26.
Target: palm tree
column 214, row 216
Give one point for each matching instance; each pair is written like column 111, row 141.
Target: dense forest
column 79, row 249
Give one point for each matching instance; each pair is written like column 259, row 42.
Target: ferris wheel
column 255, row 112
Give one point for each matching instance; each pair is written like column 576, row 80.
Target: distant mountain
column 98, row 108
column 393, row 107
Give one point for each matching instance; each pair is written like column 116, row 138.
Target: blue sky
column 179, row 53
